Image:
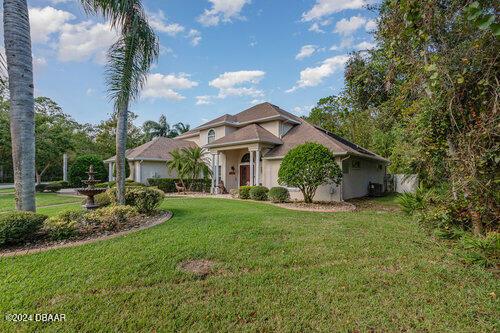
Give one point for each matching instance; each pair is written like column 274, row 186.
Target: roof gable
column 157, row 149
column 249, row 133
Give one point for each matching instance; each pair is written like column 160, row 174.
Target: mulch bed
column 43, row 245
column 327, row 207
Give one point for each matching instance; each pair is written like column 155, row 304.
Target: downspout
column 342, row 180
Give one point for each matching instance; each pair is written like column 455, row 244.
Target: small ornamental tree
column 308, row 166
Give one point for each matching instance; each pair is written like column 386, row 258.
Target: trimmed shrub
column 40, row 187
column 18, row 227
column 64, row 225
column 259, row 193
column 244, row 192
column 78, row 170
column 279, row 194
column 128, row 182
column 167, row 185
column 103, row 199
column 109, row 218
column 62, row 183
column 145, row 199
column 53, row 187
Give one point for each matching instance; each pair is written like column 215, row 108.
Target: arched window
column 245, row 158
column 211, row 135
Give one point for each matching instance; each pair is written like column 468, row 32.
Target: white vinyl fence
column 405, row 183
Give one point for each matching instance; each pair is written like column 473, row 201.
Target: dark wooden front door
column 244, row 175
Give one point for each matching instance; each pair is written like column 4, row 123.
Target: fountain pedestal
column 90, row 191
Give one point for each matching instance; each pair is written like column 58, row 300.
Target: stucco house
column 150, row 159
column 248, row 147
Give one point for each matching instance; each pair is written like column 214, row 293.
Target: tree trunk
column 22, row 115
column 121, row 144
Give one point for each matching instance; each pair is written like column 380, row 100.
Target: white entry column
column 252, row 171
column 137, row 171
column 257, row 166
column 213, row 174
column 110, row 171
column 217, row 180
column 65, row 167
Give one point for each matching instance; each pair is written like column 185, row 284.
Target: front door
column 244, row 175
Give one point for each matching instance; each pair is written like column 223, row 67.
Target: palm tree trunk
column 121, row 144
column 22, row 115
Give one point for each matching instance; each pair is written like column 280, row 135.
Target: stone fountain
column 90, row 191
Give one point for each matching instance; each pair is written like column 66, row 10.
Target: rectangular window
column 380, row 167
column 356, row 164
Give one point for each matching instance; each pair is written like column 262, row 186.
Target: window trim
column 208, row 135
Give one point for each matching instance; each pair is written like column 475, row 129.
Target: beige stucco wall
column 272, row 126
column 355, row 183
column 150, row 169
column 220, row 131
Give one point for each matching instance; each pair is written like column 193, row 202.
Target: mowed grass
column 47, row 203
column 277, row 270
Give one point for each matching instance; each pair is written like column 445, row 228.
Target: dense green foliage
column 372, row 269
column 244, row 192
column 167, row 185
column 189, row 163
column 145, row 199
column 63, row 226
column 128, row 182
column 308, row 166
column 278, row 194
column 111, row 217
column 78, row 170
column 258, row 193
column 427, row 98
column 17, row 227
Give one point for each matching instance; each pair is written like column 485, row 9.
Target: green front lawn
column 47, row 203
column 278, row 270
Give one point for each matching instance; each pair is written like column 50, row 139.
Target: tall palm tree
column 155, row 129
column 181, row 128
column 22, row 114
column 129, row 60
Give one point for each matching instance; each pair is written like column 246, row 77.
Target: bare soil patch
column 199, row 267
column 133, row 226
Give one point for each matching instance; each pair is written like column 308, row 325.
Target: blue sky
column 217, row 56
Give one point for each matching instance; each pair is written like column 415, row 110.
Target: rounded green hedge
column 278, row 194
column 244, row 192
column 18, row 227
column 259, row 193
column 78, row 170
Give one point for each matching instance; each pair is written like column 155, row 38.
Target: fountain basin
column 90, row 193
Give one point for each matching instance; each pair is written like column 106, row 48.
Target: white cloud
column 365, row 45
column 256, row 101
column 195, row 37
column 222, row 11
column 347, row 27
column 85, row 40
column 230, row 83
column 46, row 21
column 312, row 76
column 344, row 43
column 165, row 86
column 158, row 23
column 306, row 51
column 56, row 2
column 371, row 25
column 204, row 100
column 38, row 63
column 324, row 8
column 316, row 28
column 302, row 110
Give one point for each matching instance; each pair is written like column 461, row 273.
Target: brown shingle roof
column 157, row 149
column 255, row 113
column 249, row 133
column 306, row 132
